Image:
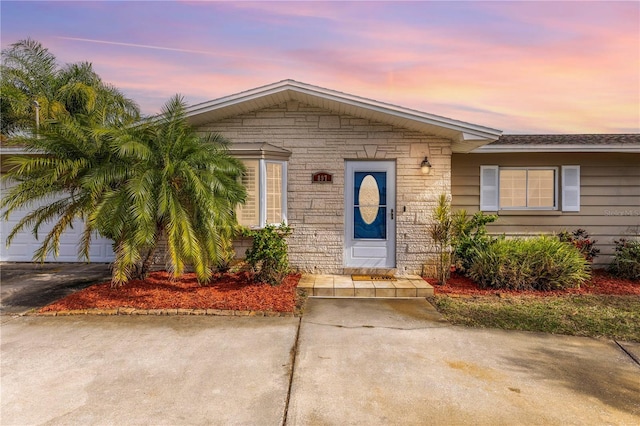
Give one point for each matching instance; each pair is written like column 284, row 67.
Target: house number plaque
column 322, row 177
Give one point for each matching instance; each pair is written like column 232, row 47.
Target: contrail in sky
column 144, row 46
column 173, row 49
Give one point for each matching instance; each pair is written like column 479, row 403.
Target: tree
column 71, row 162
column 28, row 74
column 179, row 186
column 80, row 116
column 31, row 78
column 134, row 182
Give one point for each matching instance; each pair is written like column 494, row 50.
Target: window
column 249, row 213
column 274, row 192
column 529, row 188
column 265, row 181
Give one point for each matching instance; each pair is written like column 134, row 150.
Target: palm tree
column 80, row 115
column 180, row 187
column 62, row 166
column 134, row 183
column 31, row 76
column 28, row 72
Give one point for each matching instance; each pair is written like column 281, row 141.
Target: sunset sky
column 521, row 67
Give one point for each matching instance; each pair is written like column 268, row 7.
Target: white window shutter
column 489, row 191
column 570, row 188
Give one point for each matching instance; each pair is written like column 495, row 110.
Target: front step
column 344, row 286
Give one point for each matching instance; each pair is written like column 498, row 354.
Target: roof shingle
column 577, row 139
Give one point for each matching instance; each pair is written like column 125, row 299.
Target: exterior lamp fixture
column 425, row 166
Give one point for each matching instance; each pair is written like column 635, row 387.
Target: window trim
column 262, row 191
column 264, row 153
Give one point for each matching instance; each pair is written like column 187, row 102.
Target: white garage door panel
column 24, row 244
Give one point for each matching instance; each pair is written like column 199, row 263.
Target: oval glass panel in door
column 369, row 196
column 369, row 208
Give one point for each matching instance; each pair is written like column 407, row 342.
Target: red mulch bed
column 601, row 283
column 229, row 291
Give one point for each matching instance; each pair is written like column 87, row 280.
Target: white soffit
column 465, row 136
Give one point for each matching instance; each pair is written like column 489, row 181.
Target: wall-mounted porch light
column 425, row 166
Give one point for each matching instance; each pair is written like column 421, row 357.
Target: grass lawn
column 612, row 316
column 605, row 306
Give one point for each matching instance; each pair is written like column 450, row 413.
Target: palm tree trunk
column 147, row 263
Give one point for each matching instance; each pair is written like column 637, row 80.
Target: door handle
column 391, row 214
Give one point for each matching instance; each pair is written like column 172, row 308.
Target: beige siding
column 321, row 140
column 609, row 195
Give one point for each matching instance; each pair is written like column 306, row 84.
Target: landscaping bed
column 159, row 292
column 604, row 307
column 601, row 283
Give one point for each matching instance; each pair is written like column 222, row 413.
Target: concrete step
column 343, row 286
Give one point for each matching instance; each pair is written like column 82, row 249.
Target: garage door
column 24, row 244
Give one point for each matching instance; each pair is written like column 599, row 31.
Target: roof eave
column 504, row 149
column 465, row 136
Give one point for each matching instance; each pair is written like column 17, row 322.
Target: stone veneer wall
column 321, row 140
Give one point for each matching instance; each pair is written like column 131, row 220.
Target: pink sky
column 522, row 67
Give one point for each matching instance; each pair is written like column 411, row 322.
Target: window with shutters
column 265, row 182
column 529, row 188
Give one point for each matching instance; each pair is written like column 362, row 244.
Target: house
column 347, row 174
column 550, row 183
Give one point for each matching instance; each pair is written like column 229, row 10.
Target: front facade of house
column 345, row 173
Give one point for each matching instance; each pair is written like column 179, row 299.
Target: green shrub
column 268, row 255
column 541, row 263
column 626, row 260
column 470, row 237
column 581, row 240
column 440, row 231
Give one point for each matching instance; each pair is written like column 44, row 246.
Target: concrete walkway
column 322, row 285
column 367, row 361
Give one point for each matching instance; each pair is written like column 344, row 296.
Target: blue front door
column 370, row 214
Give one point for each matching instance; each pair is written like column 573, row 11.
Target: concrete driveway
column 359, row 362
column 145, row 370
